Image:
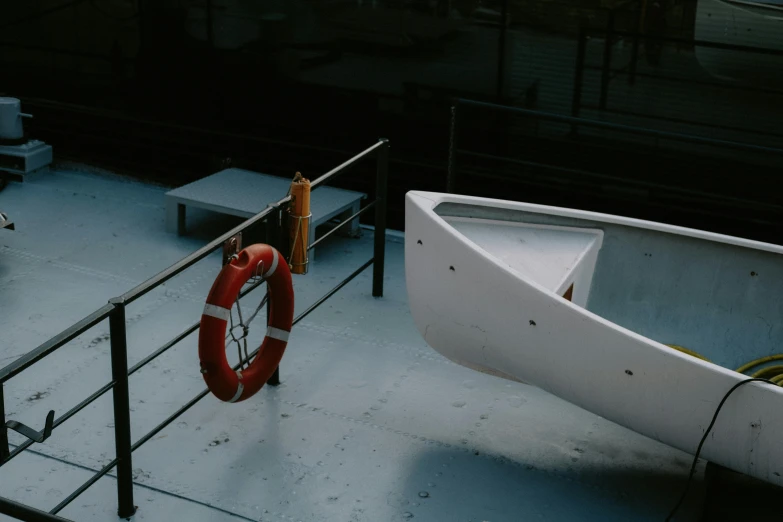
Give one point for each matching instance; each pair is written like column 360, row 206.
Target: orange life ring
column 255, row 260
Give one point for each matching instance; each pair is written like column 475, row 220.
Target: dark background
column 174, row 90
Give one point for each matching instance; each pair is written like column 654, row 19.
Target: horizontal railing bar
column 91, row 320
column 160, row 351
column 128, row 118
column 324, row 178
column 637, row 183
column 197, row 398
column 55, row 343
column 128, row 297
column 620, row 127
column 86, row 402
column 200, row 396
column 189, row 330
column 53, row 104
column 203, row 252
column 333, row 291
column 682, row 121
column 689, row 81
column 147, row 487
column 666, row 202
column 154, row 431
column 341, row 225
column 160, row 278
column 30, row 514
column 739, row 87
column 204, row 393
column 76, row 409
column 92, row 480
column 694, row 43
column 62, row 418
column 599, row 193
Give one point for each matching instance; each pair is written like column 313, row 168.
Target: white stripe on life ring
column 274, row 265
column 218, row 312
column 277, row 333
column 240, row 389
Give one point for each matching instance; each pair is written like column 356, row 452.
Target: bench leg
column 352, row 229
column 175, row 217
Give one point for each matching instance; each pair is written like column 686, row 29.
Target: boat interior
column 716, row 299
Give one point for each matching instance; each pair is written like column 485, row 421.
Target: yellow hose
column 751, row 364
column 688, row 351
column 773, row 373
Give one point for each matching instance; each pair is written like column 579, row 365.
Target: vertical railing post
column 576, row 100
column 210, row 25
column 141, row 23
column 381, row 182
column 274, row 380
column 5, row 451
column 634, row 60
column 280, row 240
column 451, row 167
column 606, row 65
column 501, row 69
column 122, row 422
column 284, row 233
column 635, row 50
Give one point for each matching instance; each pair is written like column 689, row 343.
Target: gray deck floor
column 369, row 424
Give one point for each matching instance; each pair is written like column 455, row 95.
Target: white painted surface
column 366, row 419
column 482, row 312
column 554, row 257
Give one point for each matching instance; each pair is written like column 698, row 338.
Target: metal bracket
column 35, row 436
column 5, row 451
column 232, row 247
column 4, row 221
column 302, row 224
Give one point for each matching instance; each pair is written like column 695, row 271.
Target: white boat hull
column 501, row 317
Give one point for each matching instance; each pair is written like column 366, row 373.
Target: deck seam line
column 69, row 266
column 429, row 441
column 149, row 487
column 383, row 344
column 95, row 195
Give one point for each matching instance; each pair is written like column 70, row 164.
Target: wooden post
column 299, row 224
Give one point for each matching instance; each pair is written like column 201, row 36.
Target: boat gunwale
column 436, row 199
column 597, row 216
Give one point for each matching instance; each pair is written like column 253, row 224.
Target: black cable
column 704, row 438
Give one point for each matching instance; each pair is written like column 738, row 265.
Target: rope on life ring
column 257, row 260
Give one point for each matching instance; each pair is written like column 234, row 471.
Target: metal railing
column 575, row 122
column 609, row 70
column 566, row 169
column 114, row 311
